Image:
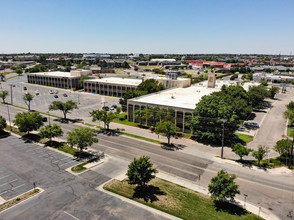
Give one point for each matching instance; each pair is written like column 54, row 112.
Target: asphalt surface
column 274, row 192
column 65, row 196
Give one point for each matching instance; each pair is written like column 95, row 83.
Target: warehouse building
column 112, row 86
column 65, row 80
column 181, row 100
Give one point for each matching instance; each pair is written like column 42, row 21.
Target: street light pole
column 11, row 94
column 49, row 116
column 9, row 117
column 223, row 137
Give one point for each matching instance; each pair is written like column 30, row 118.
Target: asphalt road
column 66, row 196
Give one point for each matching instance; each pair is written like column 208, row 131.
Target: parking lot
column 65, row 196
column 15, row 180
column 86, row 102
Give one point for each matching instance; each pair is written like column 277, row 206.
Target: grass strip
column 19, row 199
column 290, row 132
column 244, row 137
column 11, row 77
column 178, row 201
column 79, row 168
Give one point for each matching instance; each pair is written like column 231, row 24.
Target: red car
column 65, row 95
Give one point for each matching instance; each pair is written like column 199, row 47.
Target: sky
column 147, row 26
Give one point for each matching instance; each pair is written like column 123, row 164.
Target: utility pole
column 223, row 137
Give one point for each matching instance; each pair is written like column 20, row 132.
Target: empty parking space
column 20, row 180
column 61, row 160
column 12, row 185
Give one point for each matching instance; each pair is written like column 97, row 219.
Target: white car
column 51, row 92
column 37, row 92
column 55, row 91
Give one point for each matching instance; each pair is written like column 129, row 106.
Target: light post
column 245, row 196
column 11, row 93
column 49, row 116
column 223, row 137
column 9, row 117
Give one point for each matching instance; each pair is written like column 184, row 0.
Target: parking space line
column 18, row 186
column 71, row 215
column 5, row 176
column 8, row 182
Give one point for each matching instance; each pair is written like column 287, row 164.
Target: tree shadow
column 229, row 208
column 262, row 106
column 61, row 120
column 171, row 147
column 29, row 138
column 108, row 132
column 245, row 163
column 90, row 156
column 4, row 134
column 148, row 193
column 54, row 144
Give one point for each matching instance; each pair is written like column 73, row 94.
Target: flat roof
column 55, row 73
column 117, row 80
column 186, row 98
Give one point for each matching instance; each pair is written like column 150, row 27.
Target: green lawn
column 79, row 168
column 244, row 137
column 179, row 201
column 290, row 132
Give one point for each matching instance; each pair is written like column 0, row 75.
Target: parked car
column 106, row 108
column 44, row 118
column 64, row 94
column 251, row 124
column 56, row 91
column 37, row 92
column 25, row 88
column 113, row 107
column 56, row 96
column 51, row 92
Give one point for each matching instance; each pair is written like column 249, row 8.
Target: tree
column 2, row 76
column 289, row 113
column 81, row 137
column 257, row 94
column 150, row 85
column 84, row 78
column 283, row 147
column 129, row 95
column 27, row 121
column 28, row 98
column 167, row 128
column 237, row 97
column 140, row 171
column 50, row 131
column 2, row 123
column 273, row 91
column 3, row 95
column 19, row 71
column 65, row 107
column 223, row 186
column 241, row 150
column 259, row 154
column 105, row 116
column 206, row 122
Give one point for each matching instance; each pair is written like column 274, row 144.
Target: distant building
column 97, row 56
